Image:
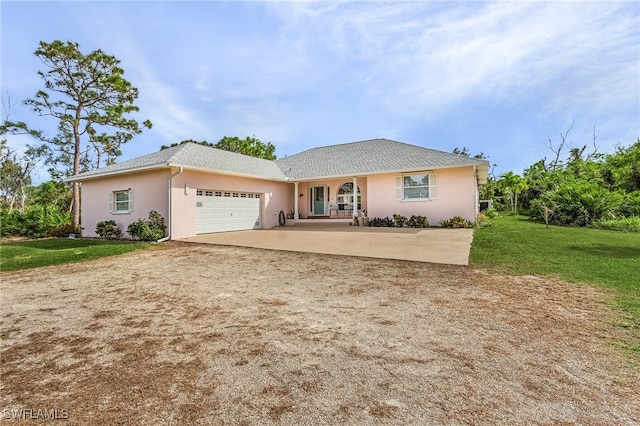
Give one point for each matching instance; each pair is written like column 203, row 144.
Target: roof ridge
column 178, row 148
column 219, row 150
column 365, row 141
column 337, row 145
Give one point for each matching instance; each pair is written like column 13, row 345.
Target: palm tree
column 512, row 184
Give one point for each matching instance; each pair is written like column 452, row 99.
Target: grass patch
column 55, row 251
column 516, row 245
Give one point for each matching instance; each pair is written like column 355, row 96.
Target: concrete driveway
column 435, row 245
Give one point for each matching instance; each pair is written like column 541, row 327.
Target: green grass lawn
column 34, row 253
column 610, row 259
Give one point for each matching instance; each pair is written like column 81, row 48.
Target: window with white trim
column 122, row 201
column 418, row 187
column 344, row 196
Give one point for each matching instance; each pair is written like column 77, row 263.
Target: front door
column 318, row 200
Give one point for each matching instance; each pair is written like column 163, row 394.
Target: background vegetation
column 250, row 146
column 585, row 189
column 91, row 103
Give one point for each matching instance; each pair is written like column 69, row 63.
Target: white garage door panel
column 219, row 211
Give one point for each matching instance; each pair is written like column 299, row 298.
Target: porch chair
column 333, row 207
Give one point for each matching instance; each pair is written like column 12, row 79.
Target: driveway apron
column 434, row 245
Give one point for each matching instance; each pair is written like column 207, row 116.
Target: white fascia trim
column 81, row 178
column 227, row 173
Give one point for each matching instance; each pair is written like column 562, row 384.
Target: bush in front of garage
column 151, row 229
column 108, row 229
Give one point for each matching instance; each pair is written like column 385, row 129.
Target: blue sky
column 500, row 78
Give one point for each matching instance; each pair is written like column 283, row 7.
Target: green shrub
column 457, row 222
column 8, row 223
column 151, row 229
column 578, row 204
column 65, row 231
column 629, row 224
column 482, row 220
column 36, row 221
column 377, row 222
column 108, row 229
column 490, row 213
column 416, row 221
column 630, row 205
column 139, row 229
column 156, row 221
column 399, row 221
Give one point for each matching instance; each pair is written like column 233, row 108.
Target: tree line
column 575, row 187
column 251, row 146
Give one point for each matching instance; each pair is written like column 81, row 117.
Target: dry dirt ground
column 196, row 334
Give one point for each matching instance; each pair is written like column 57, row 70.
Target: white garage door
column 219, row 211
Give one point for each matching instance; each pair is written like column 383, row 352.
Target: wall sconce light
column 301, row 195
column 186, row 189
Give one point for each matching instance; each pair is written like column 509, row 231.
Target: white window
column 344, row 196
column 121, row 201
column 419, row 187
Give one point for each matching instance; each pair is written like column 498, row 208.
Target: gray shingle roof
column 356, row 158
column 369, row 157
column 206, row 158
column 194, row 156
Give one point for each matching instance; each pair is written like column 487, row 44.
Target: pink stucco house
column 198, row 189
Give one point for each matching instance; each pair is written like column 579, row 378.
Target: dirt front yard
column 195, row 334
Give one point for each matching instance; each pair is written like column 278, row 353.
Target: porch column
column 355, row 197
column 296, row 215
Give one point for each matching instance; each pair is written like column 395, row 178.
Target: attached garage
column 219, row 211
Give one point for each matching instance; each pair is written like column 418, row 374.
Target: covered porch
column 330, row 199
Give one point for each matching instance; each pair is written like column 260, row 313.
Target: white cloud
column 426, row 57
column 164, row 101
